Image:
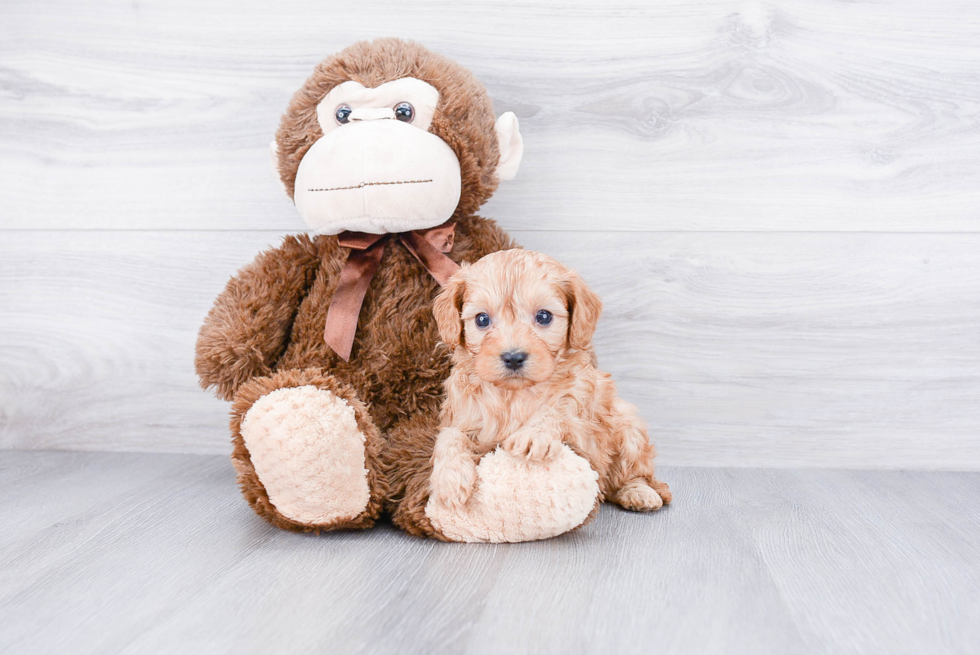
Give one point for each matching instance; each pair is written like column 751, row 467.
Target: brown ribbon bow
column 366, row 250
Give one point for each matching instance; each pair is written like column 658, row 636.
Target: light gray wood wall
column 778, row 201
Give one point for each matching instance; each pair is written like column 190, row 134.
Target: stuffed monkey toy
column 327, row 346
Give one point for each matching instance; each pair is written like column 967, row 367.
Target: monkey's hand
column 453, row 470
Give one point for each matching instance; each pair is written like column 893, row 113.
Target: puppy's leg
column 632, row 482
column 540, row 439
column 453, row 469
column 638, row 496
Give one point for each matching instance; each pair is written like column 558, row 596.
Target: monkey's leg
column 307, row 452
column 407, row 462
column 514, row 499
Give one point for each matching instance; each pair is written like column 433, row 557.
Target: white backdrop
column 779, row 203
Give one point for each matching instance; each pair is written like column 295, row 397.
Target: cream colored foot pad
column 517, row 500
column 308, row 453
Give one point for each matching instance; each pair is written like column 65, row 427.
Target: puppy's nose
column 514, row 359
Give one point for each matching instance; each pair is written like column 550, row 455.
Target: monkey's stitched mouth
column 364, row 184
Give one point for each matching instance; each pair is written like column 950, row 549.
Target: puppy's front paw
column 533, row 444
column 639, row 497
column 452, row 481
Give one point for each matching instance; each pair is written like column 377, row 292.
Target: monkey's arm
column 249, row 326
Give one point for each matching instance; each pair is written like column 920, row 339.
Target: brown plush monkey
column 327, row 345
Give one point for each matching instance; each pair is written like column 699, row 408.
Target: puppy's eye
column 342, row 114
column 404, row 111
column 543, row 317
column 482, row 320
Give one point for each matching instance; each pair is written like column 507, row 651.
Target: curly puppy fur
column 520, row 325
column 265, row 330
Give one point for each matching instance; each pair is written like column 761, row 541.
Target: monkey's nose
column 514, row 359
column 371, row 114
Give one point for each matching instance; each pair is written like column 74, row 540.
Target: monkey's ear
column 274, row 160
column 447, row 307
column 511, row 146
column 584, row 307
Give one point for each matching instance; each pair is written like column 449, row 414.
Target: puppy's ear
column 584, row 308
column 447, row 307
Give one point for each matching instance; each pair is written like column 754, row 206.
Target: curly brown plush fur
column 265, row 331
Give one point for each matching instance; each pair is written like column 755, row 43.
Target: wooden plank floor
column 143, row 553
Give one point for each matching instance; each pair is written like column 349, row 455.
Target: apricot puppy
column 520, row 325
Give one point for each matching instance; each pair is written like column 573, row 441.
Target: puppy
column 520, row 326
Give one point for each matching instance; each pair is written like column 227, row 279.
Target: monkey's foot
column 520, row 500
column 308, row 453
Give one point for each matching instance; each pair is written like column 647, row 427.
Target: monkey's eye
column 404, row 111
column 543, row 317
column 482, row 320
column 342, row 114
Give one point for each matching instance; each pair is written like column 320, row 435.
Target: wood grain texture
column 719, row 115
column 857, row 350
column 158, row 554
column 699, row 163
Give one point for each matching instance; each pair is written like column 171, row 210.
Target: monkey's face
column 386, row 136
column 377, row 168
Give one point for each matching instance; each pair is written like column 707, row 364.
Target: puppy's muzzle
column 514, row 359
